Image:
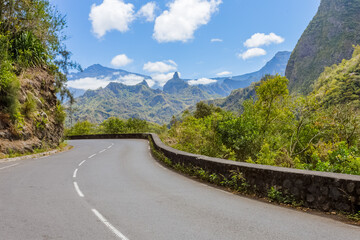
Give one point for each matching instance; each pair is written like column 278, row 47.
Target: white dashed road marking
column 97, row 214
column 82, row 163
column 78, row 189
column 12, row 165
column 109, row 225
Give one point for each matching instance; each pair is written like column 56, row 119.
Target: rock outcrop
column 41, row 121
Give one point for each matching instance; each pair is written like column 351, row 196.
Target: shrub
column 29, row 105
column 28, row 51
column 9, row 88
column 60, row 114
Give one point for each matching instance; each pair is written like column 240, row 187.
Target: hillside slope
column 41, row 122
column 340, row 84
column 327, row 40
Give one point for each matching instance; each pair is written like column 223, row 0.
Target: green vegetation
column 317, row 132
column 278, row 196
column 326, row 41
column 115, row 125
column 31, row 36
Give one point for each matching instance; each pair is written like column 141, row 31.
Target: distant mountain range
column 138, row 101
column 116, row 98
column 222, row 86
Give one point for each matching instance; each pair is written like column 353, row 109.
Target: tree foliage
column 31, row 35
column 115, row 125
column 316, row 132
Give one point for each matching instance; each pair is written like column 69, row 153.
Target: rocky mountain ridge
column 327, row 40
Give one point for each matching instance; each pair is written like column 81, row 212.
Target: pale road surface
column 121, row 192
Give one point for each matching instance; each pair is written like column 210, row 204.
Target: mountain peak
column 94, row 67
column 144, row 82
column 175, row 84
column 176, row 75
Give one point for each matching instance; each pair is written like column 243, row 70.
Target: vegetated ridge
column 138, row 101
column 327, row 40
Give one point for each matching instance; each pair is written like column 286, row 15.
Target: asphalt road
column 121, row 192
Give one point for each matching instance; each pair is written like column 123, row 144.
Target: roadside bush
column 82, row 128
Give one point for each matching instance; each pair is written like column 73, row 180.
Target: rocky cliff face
column 40, row 123
column 326, row 41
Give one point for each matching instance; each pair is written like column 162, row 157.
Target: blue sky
column 177, row 35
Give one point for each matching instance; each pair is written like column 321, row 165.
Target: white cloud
column 89, row 83
column 130, row 79
column 121, row 60
column 160, row 67
column 224, row 73
column 216, row 40
column 148, row 11
column 203, row 81
column 162, row 78
column 111, row 14
column 260, row 39
column 183, row 18
column 252, row 52
column 150, row 82
column 97, row 82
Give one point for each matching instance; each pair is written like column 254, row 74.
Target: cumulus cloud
column 203, row 81
column 260, row 39
column 183, row 18
column 160, row 67
column 162, row 78
column 130, row 79
column 111, row 14
column 220, row 74
column 88, row 83
column 252, row 52
column 216, row 40
column 121, row 60
column 148, row 11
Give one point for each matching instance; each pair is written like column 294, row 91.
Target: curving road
column 114, row 189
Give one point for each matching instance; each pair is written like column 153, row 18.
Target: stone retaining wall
column 319, row 190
